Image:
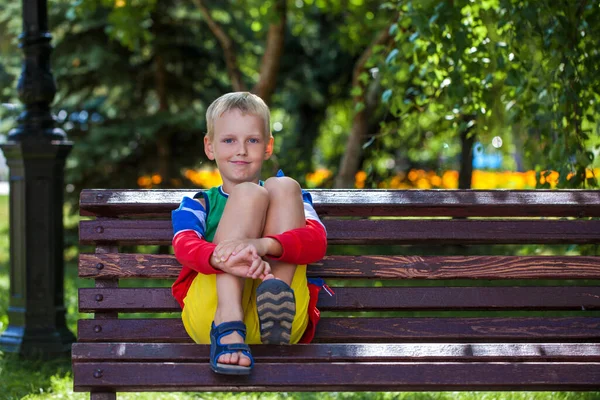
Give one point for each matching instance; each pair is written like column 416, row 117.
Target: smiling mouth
column 240, row 162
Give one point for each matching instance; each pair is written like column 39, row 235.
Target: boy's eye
column 254, row 140
column 227, row 140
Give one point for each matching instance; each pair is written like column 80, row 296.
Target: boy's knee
column 283, row 187
column 250, row 192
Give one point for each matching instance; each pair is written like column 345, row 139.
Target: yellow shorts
column 200, row 305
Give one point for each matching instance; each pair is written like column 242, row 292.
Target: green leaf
column 392, row 56
column 385, row 97
column 356, row 91
column 364, row 77
column 369, row 142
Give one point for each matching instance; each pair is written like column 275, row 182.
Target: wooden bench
column 442, row 322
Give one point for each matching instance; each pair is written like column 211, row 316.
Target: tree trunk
column 228, row 48
column 164, row 136
column 270, row 62
column 269, row 66
column 350, row 163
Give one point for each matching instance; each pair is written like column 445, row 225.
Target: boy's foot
column 228, row 352
column 234, row 358
column 276, row 306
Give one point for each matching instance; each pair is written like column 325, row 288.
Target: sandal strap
column 226, row 328
column 236, row 347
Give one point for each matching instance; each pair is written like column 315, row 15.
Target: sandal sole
column 276, row 306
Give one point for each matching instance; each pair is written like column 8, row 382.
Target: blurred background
column 373, row 94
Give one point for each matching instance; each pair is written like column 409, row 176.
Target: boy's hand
column 228, row 248
column 246, row 263
column 259, row 269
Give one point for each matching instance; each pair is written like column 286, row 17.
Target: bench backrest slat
column 377, row 231
column 166, row 266
column 388, row 329
column 375, row 299
column 431, row 203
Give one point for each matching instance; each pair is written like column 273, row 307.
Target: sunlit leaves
column 522, row 69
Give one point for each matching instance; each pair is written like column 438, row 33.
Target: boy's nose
column 242, row 149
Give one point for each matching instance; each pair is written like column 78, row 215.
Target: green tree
column 523, row 71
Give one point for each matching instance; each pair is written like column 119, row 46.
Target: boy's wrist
column 214, row 262
column 272, row 247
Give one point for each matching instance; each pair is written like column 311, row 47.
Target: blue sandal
column 276, row 306
column 217, row 348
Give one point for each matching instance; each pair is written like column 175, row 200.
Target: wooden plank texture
column 330, row 352
column 459, row 203
column 378, row 231
column 379, row 376
column 165, row 266
column 390, row 329
column 374, row 299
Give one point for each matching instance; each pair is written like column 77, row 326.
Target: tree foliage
column 524, row 71
column 354, row 84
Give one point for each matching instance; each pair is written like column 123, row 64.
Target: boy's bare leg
column 243, row 218
column 275, row 300
column 286, row 212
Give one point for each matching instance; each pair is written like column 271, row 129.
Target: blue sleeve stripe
column 190, row 216
column 200, row 215
column 306, row 197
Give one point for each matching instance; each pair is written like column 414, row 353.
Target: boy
column 230, row 294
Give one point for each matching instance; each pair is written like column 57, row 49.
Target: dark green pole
column 35, row 152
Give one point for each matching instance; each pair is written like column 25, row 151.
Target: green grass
column 45, row 380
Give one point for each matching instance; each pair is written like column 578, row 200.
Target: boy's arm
column 189, row 245
column 302, row 245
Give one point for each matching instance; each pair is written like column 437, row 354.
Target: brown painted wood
column 384, row 352
column 378, row 231
column 365, row 330
column 342, row 377
column 374, row 299
column 161, row 266
column 106, row 283
column 460, row 203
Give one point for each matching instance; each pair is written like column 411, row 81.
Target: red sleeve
column 194, row 252
column 302, row 245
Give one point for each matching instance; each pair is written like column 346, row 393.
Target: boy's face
column 239, row 148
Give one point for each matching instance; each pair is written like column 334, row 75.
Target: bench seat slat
column 384, row 352
column 380, row 376
column 459, row 203
column 382, row 231
column 374, row 298
column 389, row 329
column 165, row 266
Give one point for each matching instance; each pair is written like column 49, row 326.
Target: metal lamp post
column 35, row 152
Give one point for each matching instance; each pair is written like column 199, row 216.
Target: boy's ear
column 269, row 149
column 208, row 148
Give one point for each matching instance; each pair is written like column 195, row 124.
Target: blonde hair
column 246, row 102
